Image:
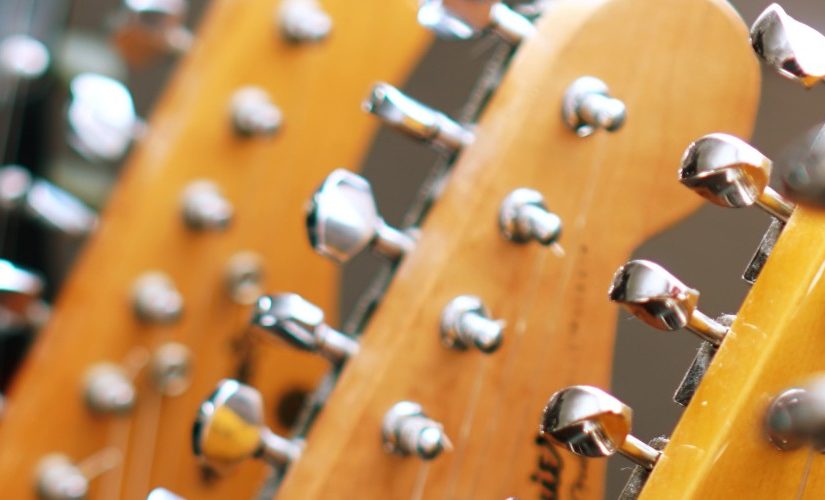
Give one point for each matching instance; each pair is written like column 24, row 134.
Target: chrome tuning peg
column 254, row 113
column 524, row 217
column 592, row 423
column 101, row 117
column 406, row 430
column 44, row 202
column 796, row 416
column 58, row 478
column 465, row 19
column 23, row 58
column 416, row 120
column 465, row 322
column 300, row 323
column 109, row 390
column 659, row 299
column 342, row 220
column 147, row 29
column 793, row 49
column 229, row 429
column 587, row 106
column 729, row 172
column 303, row 21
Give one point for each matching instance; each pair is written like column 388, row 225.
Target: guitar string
column 806, row 472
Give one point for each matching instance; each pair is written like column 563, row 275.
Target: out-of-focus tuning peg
column 465, row 322
column 20, row 289
column 205, row 208
column 524, row 217
column 156, row 299
column 729, row 172
column 229, row 429
column 45, row 202
column 108, row 389
column 465, row 19
column 795, row 50
column 796, row 416
column 659, row 299
column 300, row 323
column 147, row 29
column 587, row 106
column 592, row 423
column 416, row 120
column 23, row 58
column 60, row 479
column 342, row 220
column 163, row 494
column 303, row 21
column 406, row 430
column 802, row 169
column 244, row 277
column 254, row 113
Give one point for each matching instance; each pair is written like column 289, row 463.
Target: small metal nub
column 303, row 21
column 729, row 172
column 229, row 429
column 60, row 479
column 652, row 294
column 342, row 220
column 587, row 106
column 795, row 50
column 592, row 423
column 163, row 494
column 148, row 29
column 416, row 120
column 300, row 323
column 204, row 207
column 171, row 368
column 23, row 58
column 254, row 113
column 109, row 390
column 802, row 168
column 524, row 217
column 465, row 19
column 796, row 416
column 406, row 430
column 156, row 299
column 244, row 277
column 466, row 322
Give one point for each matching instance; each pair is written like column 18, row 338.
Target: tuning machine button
column 303, row 21
column 254, row 113
column 60, row 479
column 465, row 19
column 301, row 324
column 229, row 429
column 23, row 58
column 406, row 430
column 465, row 322
column 793, row 49
column 204, row 207
column 587, row 106
column 156, row 299
column 401, row 112
column 342, row 220
column 108, row 389
column 729, row 172
column 592, row 423
column 524, row 217
column 147, row 29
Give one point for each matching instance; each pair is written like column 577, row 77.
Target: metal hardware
column 244, row 277
column 171, row 368
column 592, row 423
column 700, row 364
column 638, row 477
column 729, row 172
column 524, row 217
column 147, row 29
column 652, row 294
column 301, row 324
column 60, row 479
column 763, row 251
column 342, row 220
column 465, row 19
column 156, row 299
column 466, row 322
column 204, row 207
column 793, row 49
column 304, row 21
column 23, row 58
column 587, row 106
column 254, row 113
column 416, row 120
column 803, row 168
column 163, row 494
column 406, row 430
column 229, row 429
column 20, row 289
column 108, row 389
column 796, row 417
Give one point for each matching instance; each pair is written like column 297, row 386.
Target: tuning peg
column 342, row 220
column 58, row 478
column 466, row 322
column 147, row 29
column 163, row 494
column 729, row 172
column 465, row 19
column 20, row 289
column 524, row 217
column 204, row 207
column 254, row 113
column 156, row 299
column 416, row 120
column 229, row 429
column 101, row 117
column 587, row 106
column 659, row 299
column 303, row 21
column 23, row 58
column 795, row 50
column 108, row 389
column 301, row 323
column 802, row 168
column 406, row 430
column 244, row 277
column 592, row 423
column 796, row 416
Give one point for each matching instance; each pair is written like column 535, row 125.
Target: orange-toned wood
column 319, row 88
column 684, row 68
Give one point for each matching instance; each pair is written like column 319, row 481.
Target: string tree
column 466, row 19
column 147, row 29
column 406, row 430
column 466, row 322
column 303, row 21
column 587, row 106
column 524, row 217
column 253, row 113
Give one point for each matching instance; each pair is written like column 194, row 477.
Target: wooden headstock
column 682, row 68
column 318, row 87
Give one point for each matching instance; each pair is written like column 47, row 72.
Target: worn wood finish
column 319, row 88
column 684, row 68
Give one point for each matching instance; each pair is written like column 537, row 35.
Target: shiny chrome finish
column 304, row 21
column 23, row 58
column 524, row 217
column 587, row 106
column 465, row 322
column 163, row 494
column 658, row 298
column 20, row 290
column 204, row 208
column 796, row 417
column 795, row 50
column 229, row 429
column 301, row 324
column 108, row 389
column 254, row 113
column 465, row 19
column 244, row 277
column 342, row 220
column 729, row 172
column 171, row 368
column 60, row 479
column 592, row 423
column 147, row 29
column 416, row 120
column 803, row 169
column 156, row 299
column 406, row 430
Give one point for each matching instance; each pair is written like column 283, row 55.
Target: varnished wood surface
column 684, row 68
column 319, row 87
